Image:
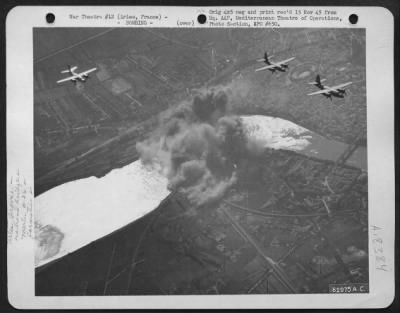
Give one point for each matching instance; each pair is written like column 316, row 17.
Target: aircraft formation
column 337, row 91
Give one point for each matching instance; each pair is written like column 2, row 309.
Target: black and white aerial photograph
column 199, row 161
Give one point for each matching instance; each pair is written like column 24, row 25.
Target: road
column 72, row 46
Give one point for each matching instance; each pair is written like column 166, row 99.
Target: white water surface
column 87, row 209
column 276, row 133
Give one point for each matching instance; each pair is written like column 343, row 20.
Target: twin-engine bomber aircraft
column 335, row 91
column 274, row 66
column 83, row 76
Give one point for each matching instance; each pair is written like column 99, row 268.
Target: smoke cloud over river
column 196, row 146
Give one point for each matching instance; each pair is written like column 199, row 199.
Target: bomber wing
column 66, row 79
column 88, row 71
column 335, row 88
column 284, row 61
column 266, row 67
column 319, row 92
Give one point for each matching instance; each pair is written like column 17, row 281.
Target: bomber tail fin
column 266, row 58
column 318, row 79
column 69, row 70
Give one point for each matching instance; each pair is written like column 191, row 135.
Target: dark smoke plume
column 197, row 145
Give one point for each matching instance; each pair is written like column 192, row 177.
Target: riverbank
column 132, row 190
column 178, row 249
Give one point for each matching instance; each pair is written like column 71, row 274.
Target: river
column 76, row 213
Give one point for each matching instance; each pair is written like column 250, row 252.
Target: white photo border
column 379, row 25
